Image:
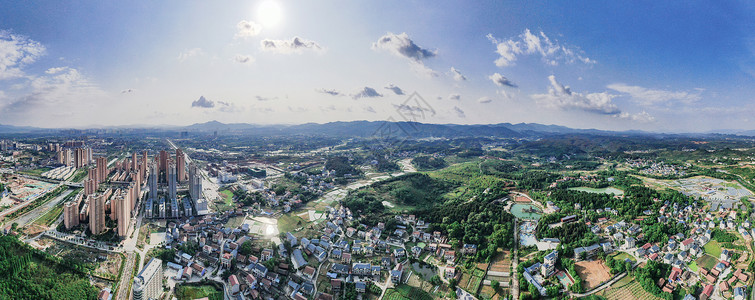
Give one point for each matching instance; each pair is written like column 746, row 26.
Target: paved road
column 33, row 215
column 128, row 270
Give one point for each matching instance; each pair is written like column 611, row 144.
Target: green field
column 35, row 172
column 290, row 222
column 621, row 256
column 693, row 266
column 712, row 248
column 184, row 292
column 626, row 288
column 405, row 292
column 227, row 197
column 706, row 261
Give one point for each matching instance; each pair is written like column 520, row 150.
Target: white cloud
column 369, row 109
column 402, row 46
column 17, row 51
column 331, row 92
column 501, row 81
column 203, row 102
column 366, row 92
column 550, row 51
column 457, row 75
column 642, row 117
column 294, row 45
column 396, row 90
column 261, row 98
column 244, row 59
column 459, row 113
column 55, row 70
column 562, row 97
column 189, row 53
column 648, row 97
column 456, row 97
column 484, row 100
column 246, row 29
column 54, row 96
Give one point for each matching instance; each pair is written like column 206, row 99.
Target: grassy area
column 37, row 202
column 190, row 292
column 621, row 256
column 693, row 266
column 405, row 292
column 52, row 215
column 227, row 197
column 35, row 172
column 290, row 222
column 712, row 248
column 79, row 175
column 234, row 222
column 625, row 289
column 706, row 261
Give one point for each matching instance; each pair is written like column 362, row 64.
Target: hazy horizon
column 659, row 67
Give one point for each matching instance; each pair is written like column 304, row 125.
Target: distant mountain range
column 376, row 128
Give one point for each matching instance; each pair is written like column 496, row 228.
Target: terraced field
column 627, row 289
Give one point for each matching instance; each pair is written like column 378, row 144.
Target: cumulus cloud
column 294, row 45
column 402, row 46
column 456, row 97
column 562, row 97
column 189, row 53
column 331, row 92
column 52, row 98
column 500, row 80
column 484, row 100
column 550, row 51
column 648, row 97
column 459, row 112
column 457, row 75
column 397, row 90
column 243, row 59
column 17, row 51
column 246, row 29
column 366, row 92
column 642, row 117
column 203, row 102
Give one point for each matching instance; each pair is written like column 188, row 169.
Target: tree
column 435, row 280
column 495, row 284
column 533, row 290
column 246, row 248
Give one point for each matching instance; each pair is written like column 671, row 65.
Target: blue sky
column 593, row 64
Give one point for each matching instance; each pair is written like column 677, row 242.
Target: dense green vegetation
column 424, row 162
column 341, row 165
column 32, row 274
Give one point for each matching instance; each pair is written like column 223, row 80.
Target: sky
column 614, row 65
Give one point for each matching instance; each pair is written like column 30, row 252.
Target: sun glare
column 269, row 13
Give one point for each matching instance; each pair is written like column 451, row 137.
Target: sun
column 269, row 13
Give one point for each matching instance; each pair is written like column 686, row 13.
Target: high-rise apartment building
column 180, row 165
column 163, row 161
column 96, row 213
column 71, row 212
column 153, row 173
column 172, row 182
column 102, row 169
column 149, row 283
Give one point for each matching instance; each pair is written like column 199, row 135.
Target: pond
column 424, row 271
column 526, row 211
column 606, row 190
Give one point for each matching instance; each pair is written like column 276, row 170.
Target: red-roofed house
column 723, row 286
column 234, row 283
column 647, row 246
column 686, row 244
column 707, row 291
column 675, row 272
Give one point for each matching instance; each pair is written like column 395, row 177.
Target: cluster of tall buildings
column 118, row 200
column 75, row 157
